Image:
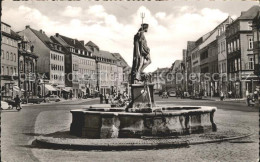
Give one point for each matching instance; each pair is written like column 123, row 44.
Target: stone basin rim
column 202, row 109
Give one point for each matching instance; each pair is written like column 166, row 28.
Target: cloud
column 71, row 11
column 167, row 35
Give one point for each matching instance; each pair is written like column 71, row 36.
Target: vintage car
column 53, row 98
column 35, row 100
column 172, row 94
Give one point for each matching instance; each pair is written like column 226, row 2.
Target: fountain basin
column 166, row 120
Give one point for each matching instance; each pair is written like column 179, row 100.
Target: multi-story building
column 9, row 62
column 174, row 76
column 222, row 56
column 80, row 65
column 184, row 73
column 50, row 64
column 240, row 57
column 256, row 45
column 109, row 70
column 188, row 65
column 123, row 70
column 209, row 61
column 159, row 78
column 27, row 69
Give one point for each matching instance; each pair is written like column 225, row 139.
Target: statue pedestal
column 142, row 98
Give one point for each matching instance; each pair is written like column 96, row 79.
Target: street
column 20, row 128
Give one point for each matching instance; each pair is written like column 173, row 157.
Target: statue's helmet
column 145, row 26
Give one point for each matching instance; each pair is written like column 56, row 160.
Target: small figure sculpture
column 141, row 54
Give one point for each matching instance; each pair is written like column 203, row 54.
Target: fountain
column 142, row 117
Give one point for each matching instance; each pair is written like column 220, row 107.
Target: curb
column 127, row 146
column 109, row 147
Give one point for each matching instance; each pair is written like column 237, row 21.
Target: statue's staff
column 145, row 81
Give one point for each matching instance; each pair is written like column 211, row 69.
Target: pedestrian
column 230, row 94
column 106, row 98
column 101, row 98
column 256, row 95
column 221, row 96
column 17, row 101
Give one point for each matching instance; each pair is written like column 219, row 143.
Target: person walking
column 101, row 98
column 221, row 96
column 17, row 101
column 106, row 98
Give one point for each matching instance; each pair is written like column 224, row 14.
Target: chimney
column 27, row 26
column 57, row 34
column 41, row 31
column 82, row 42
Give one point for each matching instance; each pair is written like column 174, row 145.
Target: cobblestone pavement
column 33, row 121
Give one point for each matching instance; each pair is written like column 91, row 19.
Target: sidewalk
column 225, row 99
column 79, row 100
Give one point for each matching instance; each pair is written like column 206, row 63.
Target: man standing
column 17, row 101
column 141, row 54
column 101, row 98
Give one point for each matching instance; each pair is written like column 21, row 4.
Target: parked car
column 172, row 94
column 186, row 95
column 53, row 98
column 35, row 100
column 164, row 95
column 156, row 91
column 4, row 105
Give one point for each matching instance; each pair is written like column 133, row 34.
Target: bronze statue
column 141, row 55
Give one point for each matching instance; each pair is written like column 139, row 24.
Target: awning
column 67, row 89
column 49, row 87
column 16, row 88
column 60, row 86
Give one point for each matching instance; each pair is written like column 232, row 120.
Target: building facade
column 80, row 66
column 239, row 37
column 27, row 70
column 50, row 64
column 222, row 57
column 9, row 62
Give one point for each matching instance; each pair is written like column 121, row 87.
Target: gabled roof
column 45, row 39
column 92, row 45
column 250, row 13
column 105, row 54
column 12, row 35
column 42, row 36
column 120, row 59
column 73, row 42
column 159, row 70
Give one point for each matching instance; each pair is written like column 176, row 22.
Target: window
column 250, row 43
column 11, row 56
column 7, row 40
column 235, row 45
column 7, row 70
column 15, row 70
column 251, row 63
column 238, row 45
column 11, row 70
column 235, row 64
column 3, row 54
column 231, row 47
column 7, row 56
column 14, row 57
column 250, row 25
column 228, row 48
column 3, row 70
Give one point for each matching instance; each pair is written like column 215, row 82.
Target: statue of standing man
column 141, row 58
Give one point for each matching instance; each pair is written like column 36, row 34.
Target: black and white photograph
column 130, row 81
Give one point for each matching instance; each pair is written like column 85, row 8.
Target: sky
column 112, row 24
